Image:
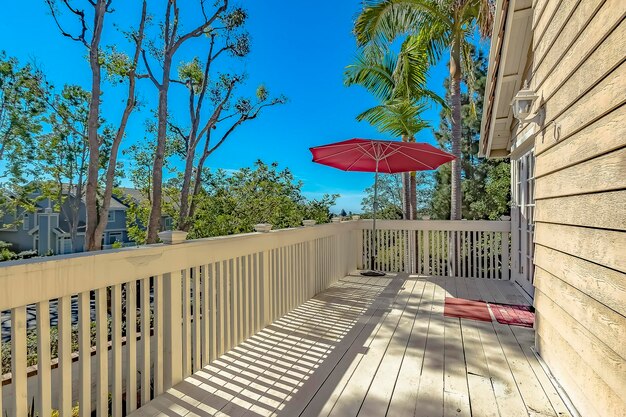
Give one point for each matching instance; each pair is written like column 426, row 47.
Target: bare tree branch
column 150, row 74
column 81, row 17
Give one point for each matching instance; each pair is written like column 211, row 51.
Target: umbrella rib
column 417, row 160
column 426, row 151
column 355, row 161
column 334, row 154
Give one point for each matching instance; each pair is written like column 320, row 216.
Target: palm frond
column 374, row 74
column 396, row 117
column 383, row 20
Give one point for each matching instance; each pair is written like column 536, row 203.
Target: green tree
column 390, row 196
column 399, row 82
column 486, row 183
column 443, row 25
column 23, row 92
column 118, row 67
column 234, row 203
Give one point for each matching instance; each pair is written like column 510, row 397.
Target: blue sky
column 297, row 50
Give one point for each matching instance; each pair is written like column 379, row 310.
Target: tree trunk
column 413, row 185
column 455, row 94
column 93, row 123
column 406, row 190
column 128, row 109
column 154, row 223
column 412, row 190
column 183, row 218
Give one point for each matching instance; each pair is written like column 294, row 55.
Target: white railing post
column 18, row 361
column 311, row 268
column 172, row 330
column 505, row 255
column 266, row 285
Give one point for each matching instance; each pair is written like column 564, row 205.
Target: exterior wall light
column 523, row 103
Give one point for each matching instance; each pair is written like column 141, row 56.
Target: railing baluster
column 234, row 307
column 44, row 403
column 18, row 361
column 475, row 255
column 243, row 287
column 144, row 288
column 172, row 326
column 64, row 325
column 131, row 346
column 195, row 334
column 102, row 353
column 159, row 305
column 206, row 321
column 227, row 288
column 84, row 350
column 266, row 291
column 220, row 276
column 505, row 255
column 116, row 347
column 186, row 328
column 213, row 313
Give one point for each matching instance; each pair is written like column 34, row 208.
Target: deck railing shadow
column 280, row 369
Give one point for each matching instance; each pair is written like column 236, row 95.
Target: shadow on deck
column 375, row 346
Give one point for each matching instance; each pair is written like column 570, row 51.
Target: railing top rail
column 452, row 225
column 32, row 280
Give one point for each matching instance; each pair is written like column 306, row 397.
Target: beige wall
column 578, row 69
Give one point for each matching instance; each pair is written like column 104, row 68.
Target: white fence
column 476, row 249
column 222, row 290
column 192, row 302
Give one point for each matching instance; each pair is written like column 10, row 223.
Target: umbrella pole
column 372, row 272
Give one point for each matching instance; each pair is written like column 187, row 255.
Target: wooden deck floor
column 376, row 347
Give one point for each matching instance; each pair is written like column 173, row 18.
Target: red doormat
column 513, row 314
column 466, row 309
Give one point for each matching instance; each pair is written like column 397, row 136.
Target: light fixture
column 523, row 103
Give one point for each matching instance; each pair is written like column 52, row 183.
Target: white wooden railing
column 193, row 301
column 222, row 290
column 477, row 249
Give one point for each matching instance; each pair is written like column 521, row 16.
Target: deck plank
column 381, row 388
column 430, row 396
column 353, row 394
column 529, row 387
column 404, row 397
column 507, row 394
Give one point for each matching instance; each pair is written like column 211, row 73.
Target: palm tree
column 399, row 82
column 443, row 25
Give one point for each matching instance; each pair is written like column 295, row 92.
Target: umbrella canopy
column 379, row 156
column 389, row 157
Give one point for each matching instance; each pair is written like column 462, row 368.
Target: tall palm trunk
column 455, row 95
column 406, row 190
column 413, row 190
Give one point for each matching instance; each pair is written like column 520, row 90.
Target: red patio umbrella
column 389, row 157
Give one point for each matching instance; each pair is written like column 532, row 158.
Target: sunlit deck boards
column 376, row 347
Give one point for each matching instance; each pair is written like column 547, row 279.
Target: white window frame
column 111, row 216
column 523, row 221
column 26, row 222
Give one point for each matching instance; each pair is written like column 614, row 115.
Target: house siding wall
column 579, row 71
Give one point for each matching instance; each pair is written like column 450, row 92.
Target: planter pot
column 263, row 227
column 356, row 217
column 505, row 218
column 173, row 237
column 425, row 217
column 309, row 223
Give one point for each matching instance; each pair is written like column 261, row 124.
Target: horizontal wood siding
column 579, row 49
